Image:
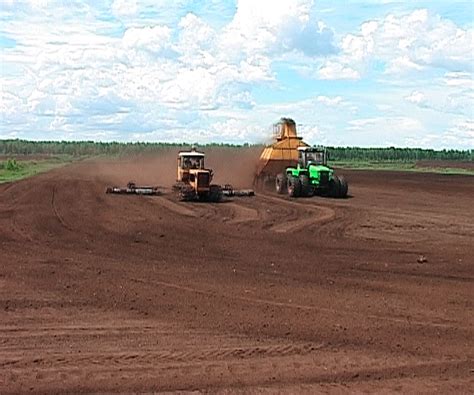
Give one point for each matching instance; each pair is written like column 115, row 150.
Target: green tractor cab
column 312, row 176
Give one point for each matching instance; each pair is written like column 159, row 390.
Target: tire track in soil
column 241, row 214
column 146, row 358
column 444, row 277
column 311, row 216
column 56, row 212
column 174, row 207
column 298, row 306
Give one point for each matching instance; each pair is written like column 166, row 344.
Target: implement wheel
column 281, row 183
column 294, row 186
column 215, row 193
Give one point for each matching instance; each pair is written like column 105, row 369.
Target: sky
column 350, row 73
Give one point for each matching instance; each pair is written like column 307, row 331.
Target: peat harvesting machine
column 291, row 166
column 279, row 155
column 194, row 180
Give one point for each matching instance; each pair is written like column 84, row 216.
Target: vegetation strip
column 13, row 170
column 442, row 167
column 75, row 148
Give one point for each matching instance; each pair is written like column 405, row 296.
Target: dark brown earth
column 443, row 164
column 105, row 293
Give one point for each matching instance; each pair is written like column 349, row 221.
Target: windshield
column 315, row 157
column 192, row 162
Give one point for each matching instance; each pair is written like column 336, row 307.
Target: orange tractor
column 194, row 180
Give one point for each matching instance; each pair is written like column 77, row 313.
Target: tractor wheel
column 281, row 183
column 294, row 186
column 306, row 187
column 344, row 187
column 215, row 193
column 334, row 187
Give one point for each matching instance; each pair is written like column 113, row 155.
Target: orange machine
column 281, row 154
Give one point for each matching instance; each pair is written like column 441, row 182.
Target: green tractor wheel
column 344, row 187
column 334, row 187
column 306, row 188
column 294, row 186
column 281, row 183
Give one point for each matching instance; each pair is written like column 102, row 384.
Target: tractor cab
column 193, row 177
column 191, row 160
column 311, row 156
column 190, row 163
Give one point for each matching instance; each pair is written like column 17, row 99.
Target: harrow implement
column 133, row 189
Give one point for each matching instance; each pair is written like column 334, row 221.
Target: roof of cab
column 191, row 153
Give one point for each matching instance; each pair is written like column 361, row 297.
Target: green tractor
column 312, row 176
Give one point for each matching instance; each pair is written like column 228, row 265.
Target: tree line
column 91, row 148
column 397, row 154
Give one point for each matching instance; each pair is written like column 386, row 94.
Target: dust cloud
column 234, row 166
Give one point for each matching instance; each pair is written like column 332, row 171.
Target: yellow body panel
column 283, row 152
column 190, row 166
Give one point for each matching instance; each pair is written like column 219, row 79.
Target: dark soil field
column 108, row 293
column 437, row 164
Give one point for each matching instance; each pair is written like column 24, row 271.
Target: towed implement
column 229, row 191
column 133, row 189
column 279, row 155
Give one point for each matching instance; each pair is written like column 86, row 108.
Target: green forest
column 90, row 148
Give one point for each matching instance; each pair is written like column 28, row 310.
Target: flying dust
column 231, row 165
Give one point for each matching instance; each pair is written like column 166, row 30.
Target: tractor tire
column 281, row 183
column 184, row 192
column 334, row 187
column 344, row 187
column 294, row 186
column 306, row 187
column 215, row 193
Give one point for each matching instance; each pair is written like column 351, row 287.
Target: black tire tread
column 294, row 186
column 305, row 185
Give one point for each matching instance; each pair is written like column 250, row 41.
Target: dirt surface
column 105, row 293
column 443, row 164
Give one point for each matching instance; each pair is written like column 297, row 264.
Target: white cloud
column 386, row 124
column 331, row 70
column 406, row 43
column 462, row 130
column 401, row 65
column 267, row 27
column 152, row 39
column 416, row 97
column 452, row 94
column 330, row 101
column 459, row 79
column 124, row 7
column 460, row 134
